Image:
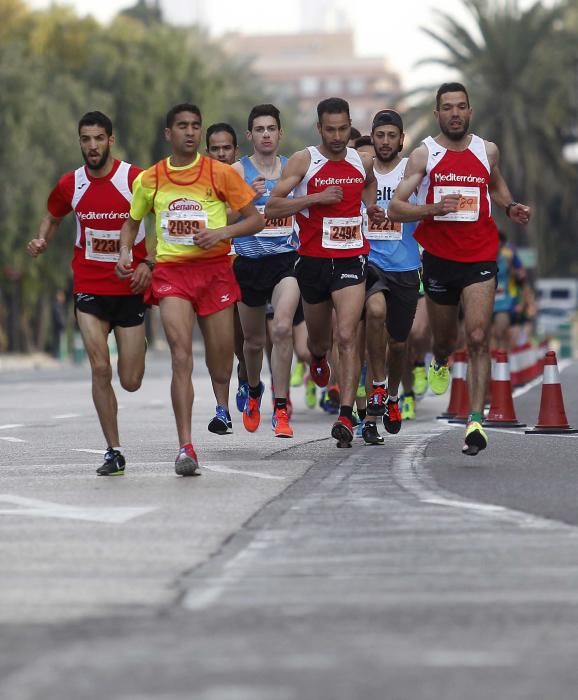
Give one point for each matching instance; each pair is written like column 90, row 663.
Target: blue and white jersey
column 393, row 247
column 278, row 235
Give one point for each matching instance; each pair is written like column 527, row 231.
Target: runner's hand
column 376, row 214
column 36, row 247
column 259, row 184
column 520, row 214
column 123, row 267
column 331, row 195
column 141, row 279
column 208, row 237
column 448, row 204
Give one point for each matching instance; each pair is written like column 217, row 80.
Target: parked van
column 557, row 300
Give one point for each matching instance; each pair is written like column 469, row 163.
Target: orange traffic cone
column 502, row 413
column 552, row 417
column 459, row 372
column 463, row 395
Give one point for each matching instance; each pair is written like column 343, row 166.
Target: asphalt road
column 286, row 571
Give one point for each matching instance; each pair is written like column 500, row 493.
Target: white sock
column 382, row 383
column 393, row 398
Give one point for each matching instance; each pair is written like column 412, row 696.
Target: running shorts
column 401, row 291
column 319, row 277
column 258, row 277
column 444, row 279
column 123, row 310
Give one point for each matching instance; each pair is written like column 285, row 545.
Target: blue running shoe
column 242, row 394
column 221, row 423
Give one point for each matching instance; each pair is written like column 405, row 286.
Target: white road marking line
column 228, row 470
column 12, row 439
column 59, row 416
column 35, row 508
column 11, row 425
column 92, row 452
column 447, row 658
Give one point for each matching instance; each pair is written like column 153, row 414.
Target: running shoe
column 476, row 439
column 342, row 431
column 186, row 463
column 242, row 394
column 419, row 380
column 377, row 401
column 280, row 423
column 333, row 394
column 407, row 408
column 370, row 434
column 359, row 430
column 252, row 412
column 310, row 392
column 298, row 374
column 320, row 371
column 221, row 423
column 327, row 405
column 392, row 417
column 438, row 377
column 114, row 464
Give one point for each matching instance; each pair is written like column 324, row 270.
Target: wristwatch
column 510, row 205
column 150, row 264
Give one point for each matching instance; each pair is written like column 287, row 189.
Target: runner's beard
column 455, row 135
column 386, row 159
column 100, row 163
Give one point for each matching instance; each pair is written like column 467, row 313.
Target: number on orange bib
column 181, row 226
column 342, row 233
column 276, row 227
column 103, row 246
column 468, row 206
column 387, row 231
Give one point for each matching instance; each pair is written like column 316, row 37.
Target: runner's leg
column 218, row 334
column 131, row 355
column 348, row 304
column 285, row 300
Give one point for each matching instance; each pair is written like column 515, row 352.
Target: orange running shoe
column 281, row 425
column 252, row 412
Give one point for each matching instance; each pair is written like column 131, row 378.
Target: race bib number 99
column 342, row 233
column 103, row 246
column 468, row 207
column 181, row 226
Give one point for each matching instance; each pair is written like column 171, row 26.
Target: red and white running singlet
column 332, row 230
column 470, row 234
column 101, row 206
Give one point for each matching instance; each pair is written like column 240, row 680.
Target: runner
column 330, row 181
column 392, row 282
column 222, row 145
column 264, row 270
column 221, row 141
column 100, row 193
column 189, row 194
column 457, row 173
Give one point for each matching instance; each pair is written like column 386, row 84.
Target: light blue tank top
column 278, row 235
column 395, row 249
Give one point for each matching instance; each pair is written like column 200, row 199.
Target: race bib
column 468, row 207
column 103, row 246
column 387, row 231
column 342, row 233
column 180, row 226
column 276, row 227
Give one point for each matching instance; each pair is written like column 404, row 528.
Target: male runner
column 189, row 194
column 330, row 182
column 222, row 145
column 392, row 282
column 221, row 141
column 264, row 270
column 457, row 173
column 100, row 193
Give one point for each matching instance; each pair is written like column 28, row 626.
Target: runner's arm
column 251, row 223
column 128, row 234
column 279, row 206
column 46, row 232
column 369, row 195
column 400, row 209
column 499, row 190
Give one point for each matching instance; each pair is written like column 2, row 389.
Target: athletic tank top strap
column 478, row 148
column 81, row 185
column 120, row 180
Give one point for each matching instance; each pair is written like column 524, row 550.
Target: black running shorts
column 401, row 291
column 444, row 279
column 258, row 277
column 124, row 310
column 319, row 277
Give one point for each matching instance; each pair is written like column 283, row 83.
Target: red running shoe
column 320, row 371
column 342, row 431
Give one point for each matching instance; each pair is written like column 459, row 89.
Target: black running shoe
column 114, row 464
column 221, row 424
column 370, row 434
column 392, row 417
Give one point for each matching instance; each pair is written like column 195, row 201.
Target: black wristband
column 150, row 264
column 510, row 205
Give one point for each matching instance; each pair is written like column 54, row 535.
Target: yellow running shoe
column 310, row 393
column 407, row 408
column 298, row 374
column 438, row 377
column 419, row 380
column 476, row 439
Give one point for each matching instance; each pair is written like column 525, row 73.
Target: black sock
column 280, row 403
column 419, row 364
column 346, row 411
column 409, row 395
column 255, row 391
column 361, row 412
column 317, row 358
